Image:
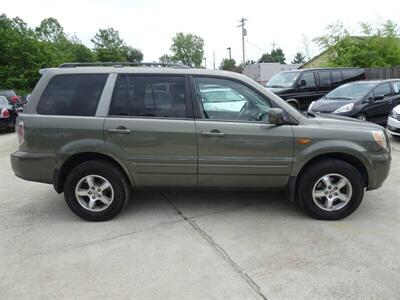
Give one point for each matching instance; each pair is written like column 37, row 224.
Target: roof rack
column 124, row 64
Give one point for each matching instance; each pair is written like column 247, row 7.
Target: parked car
column 215, row 98
column 393, row 123
column 120, row 138
column 364, row 100
column 300, row 87
column 7, row 114
column 12, row 96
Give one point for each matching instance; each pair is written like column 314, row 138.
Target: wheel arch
column 60, row 174
column 292, row 186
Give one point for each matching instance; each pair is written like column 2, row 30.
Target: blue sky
column 150, row 25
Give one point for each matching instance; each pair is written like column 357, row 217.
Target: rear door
column 150, row 126
column 236, row 145
column 325, row 81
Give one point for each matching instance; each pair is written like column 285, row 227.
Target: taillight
column 14, row 99
column 4, row 114
column 20, row 129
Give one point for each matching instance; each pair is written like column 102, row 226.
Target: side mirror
column 275, row 116
column 379, row 97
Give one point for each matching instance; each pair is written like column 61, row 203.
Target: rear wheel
column 96, row 190
column 330, row 190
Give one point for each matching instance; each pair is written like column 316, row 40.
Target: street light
column 205, row 62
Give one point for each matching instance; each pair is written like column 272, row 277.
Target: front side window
column 149, row 96
column 307, row 80
column 396, row 87
column 72, row 95
column 324, row 78
column 383, row 90
column 223, row 99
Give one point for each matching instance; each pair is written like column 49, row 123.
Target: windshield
column 283, row 80
column 3, row 101
column 220, row 95
column 353, row 91
column 7, row 93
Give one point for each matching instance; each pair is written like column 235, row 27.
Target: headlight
column 344, row 108
column 394, row 114
column 379, row 138
column 310, row 106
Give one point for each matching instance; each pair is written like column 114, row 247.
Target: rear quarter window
column 72, row 95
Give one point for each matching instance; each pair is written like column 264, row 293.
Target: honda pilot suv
column 97, row 132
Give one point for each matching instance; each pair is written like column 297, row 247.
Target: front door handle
column 119, row 130
column 212, row 133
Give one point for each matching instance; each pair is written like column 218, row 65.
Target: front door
column 378, row 111
column 150, row 127
column 236, row 145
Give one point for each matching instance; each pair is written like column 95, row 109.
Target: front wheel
column 362, row 117
column 330, row 189
column 96, row 190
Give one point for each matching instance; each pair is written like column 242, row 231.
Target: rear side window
column 383, row 90
column 324, row 78
column 349, row 75
column 72, row 95
column 149, row 96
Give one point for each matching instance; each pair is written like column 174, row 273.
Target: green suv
column 96, row 132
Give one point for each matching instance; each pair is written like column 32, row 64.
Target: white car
column 393, row 122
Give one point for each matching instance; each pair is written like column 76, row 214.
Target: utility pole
column 230, row 54
column 214, row 59
column 205, row 63
column 273, row 45
column 244, row 33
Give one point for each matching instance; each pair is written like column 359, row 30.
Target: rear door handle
column 212, row 133
column 119, row 130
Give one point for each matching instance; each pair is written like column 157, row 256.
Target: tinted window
column 324, row 77
column 149, row 96
column 308, row 77
column 336, row 77
column 349, row 74
column 223, row 99
column 72, row 95
column 396, row 87
column 383, row 90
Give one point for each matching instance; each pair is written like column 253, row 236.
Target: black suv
column 300, row 87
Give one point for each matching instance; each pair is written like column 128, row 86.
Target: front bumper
column 378, row 168
column 33, row 166
column 393, row 126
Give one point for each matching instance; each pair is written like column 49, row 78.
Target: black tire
column 362, row 117
column 317, row 170
column 106, row 170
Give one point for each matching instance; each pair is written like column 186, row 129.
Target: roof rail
column 124, row 64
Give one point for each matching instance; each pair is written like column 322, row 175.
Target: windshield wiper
column 275, row 86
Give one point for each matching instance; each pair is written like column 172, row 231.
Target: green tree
column 228, row 64
column 108, row 45
column 132, row 54
column 299, row 58
column 187, row 49
column 166, row 59
column 50, row 30
column 377, row 46
column 276, row 55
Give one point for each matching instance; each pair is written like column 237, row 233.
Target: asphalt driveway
column 195, row 245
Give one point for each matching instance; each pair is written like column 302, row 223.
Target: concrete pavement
column 202, row 245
